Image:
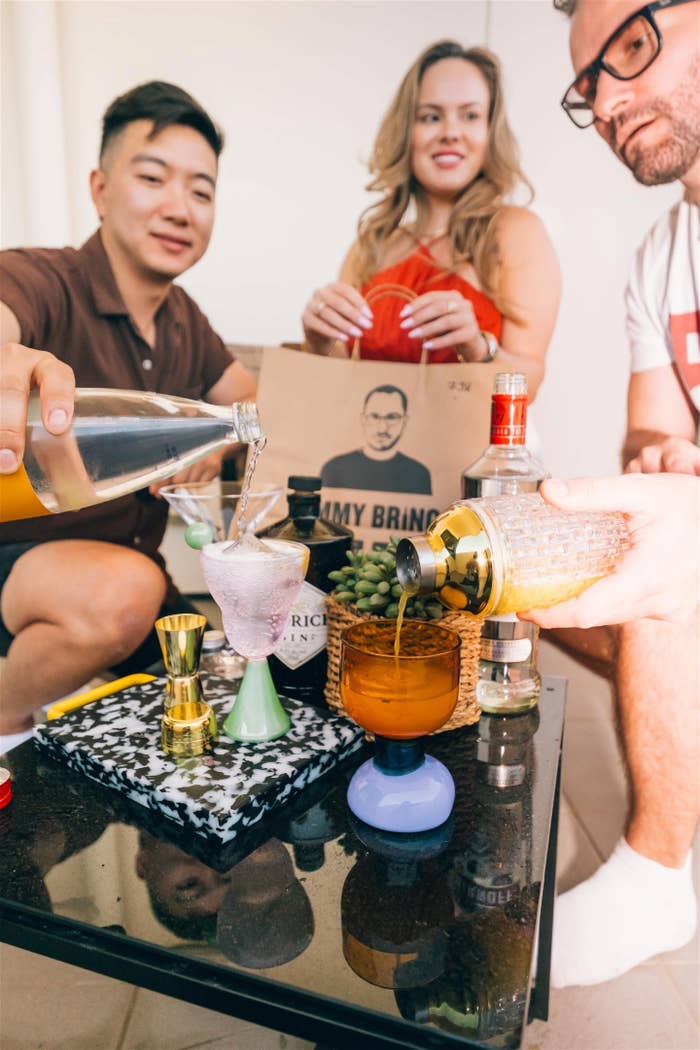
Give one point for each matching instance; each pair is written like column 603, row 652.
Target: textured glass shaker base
column 417, row 800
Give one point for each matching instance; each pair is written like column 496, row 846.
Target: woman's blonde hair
column 474, row 214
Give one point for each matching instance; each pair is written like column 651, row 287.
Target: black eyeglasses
column 625, row 55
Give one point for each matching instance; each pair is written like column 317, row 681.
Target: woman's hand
column 444, row 320
column 336, row 311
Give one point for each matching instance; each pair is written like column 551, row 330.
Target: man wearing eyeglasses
column 379, row 466
column 638, row 82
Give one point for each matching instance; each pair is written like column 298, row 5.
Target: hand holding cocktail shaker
column 505, row 554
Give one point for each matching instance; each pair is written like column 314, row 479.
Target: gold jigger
column 188, row 730
column 188, row 726
column 180, row 638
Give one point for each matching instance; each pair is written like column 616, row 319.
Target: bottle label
column 305, row 634
column 508, row 419
column 505, row 650
column 489, row 896
column 17, row 497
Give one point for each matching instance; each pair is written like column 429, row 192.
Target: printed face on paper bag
column 384, row 419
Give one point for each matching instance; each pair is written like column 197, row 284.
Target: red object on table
column 5, row 788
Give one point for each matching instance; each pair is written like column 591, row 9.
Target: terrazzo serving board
column 116, row 741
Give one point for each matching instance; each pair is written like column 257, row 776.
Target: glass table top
column 319, row 925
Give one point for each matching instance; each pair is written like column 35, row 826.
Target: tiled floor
column 46, row 1005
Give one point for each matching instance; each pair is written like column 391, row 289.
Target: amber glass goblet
column 400, row 698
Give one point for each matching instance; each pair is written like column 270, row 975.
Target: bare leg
column 75, row 607
column 658, row 690
column 594, row 648
column 641, row 901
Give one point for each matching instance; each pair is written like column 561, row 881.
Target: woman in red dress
column 484, row 273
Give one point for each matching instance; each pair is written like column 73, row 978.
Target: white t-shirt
column 663, row 297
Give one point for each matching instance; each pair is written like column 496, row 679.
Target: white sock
column 631, row 909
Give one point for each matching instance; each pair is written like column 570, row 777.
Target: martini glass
column 400, row 698
column 255, row 583
column 212, row 509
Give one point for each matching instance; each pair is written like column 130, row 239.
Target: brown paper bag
column 389, row 440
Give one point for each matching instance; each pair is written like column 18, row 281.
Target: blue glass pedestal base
column 415, row 801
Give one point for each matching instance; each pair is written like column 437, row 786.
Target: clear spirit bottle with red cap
column 508, row 678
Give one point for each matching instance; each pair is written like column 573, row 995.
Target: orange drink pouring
column 404, row 696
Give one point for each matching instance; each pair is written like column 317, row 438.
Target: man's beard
column 671, row 157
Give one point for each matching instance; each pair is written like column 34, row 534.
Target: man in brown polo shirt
column 80, row 590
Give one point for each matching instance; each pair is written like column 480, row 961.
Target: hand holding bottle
column 659, row 576
column 118, row 441
column 443, row 320
column 22, row 369
column 336, row 311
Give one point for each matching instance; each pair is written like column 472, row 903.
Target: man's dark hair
column 165, row 104
column 387, row 388
column 186, row 927
column 567, row 6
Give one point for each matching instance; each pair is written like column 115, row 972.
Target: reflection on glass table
column 360, row 947
column 257, row 914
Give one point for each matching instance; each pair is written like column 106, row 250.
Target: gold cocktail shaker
column 505, row 554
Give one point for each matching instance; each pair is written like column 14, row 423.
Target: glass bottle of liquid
column 508, row 678
column 299, row 664
column 119, row 441
column 504, row 554
column 507, row 466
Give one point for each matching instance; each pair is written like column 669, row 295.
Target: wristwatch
column 491, row 346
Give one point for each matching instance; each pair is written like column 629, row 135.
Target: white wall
column 299, row 88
